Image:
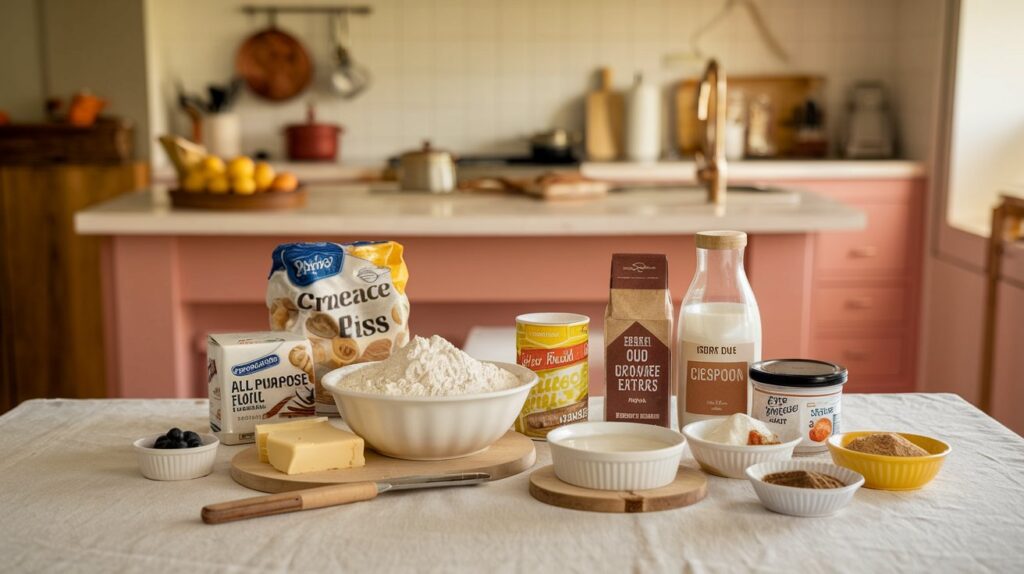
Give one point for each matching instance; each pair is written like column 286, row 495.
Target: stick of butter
column 265, row 429
column 314, row 448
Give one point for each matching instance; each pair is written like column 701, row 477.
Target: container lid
column 721, row 239
column 798, row 373
column 426, row 152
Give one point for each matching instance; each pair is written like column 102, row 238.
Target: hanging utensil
column 764, row 32
column 325, row 496
column 349, row 79
column 274, row 64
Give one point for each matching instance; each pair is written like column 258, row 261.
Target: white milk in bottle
column 719, row 332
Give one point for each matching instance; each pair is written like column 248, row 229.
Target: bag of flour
column 348, row 298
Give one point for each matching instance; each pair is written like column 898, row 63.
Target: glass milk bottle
column 719, row 332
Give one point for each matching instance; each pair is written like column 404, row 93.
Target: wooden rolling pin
column 324, row 496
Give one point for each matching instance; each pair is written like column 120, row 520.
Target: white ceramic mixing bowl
column 430, row 428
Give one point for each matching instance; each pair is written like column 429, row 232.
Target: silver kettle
column 427, row 169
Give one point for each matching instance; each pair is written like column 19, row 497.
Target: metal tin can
column 557, row 347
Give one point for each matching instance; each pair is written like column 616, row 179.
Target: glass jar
column 719, row 332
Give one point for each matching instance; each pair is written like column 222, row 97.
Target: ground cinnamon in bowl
column 887, row 444
column 803, row 479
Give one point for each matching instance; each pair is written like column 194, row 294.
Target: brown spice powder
column 803, row 479
column 886, row 443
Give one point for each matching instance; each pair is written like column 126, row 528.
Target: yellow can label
column 560, row 355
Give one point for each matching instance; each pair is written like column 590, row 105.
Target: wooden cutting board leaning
column 785, row 93
column 604, row 121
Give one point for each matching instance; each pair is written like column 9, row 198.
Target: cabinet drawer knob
column 859, row 303
column 864, row 252
column 855, row 355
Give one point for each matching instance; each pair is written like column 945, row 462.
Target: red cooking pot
column 312, row 141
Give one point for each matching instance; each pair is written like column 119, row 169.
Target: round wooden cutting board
column 511, row 454
column 689, row 487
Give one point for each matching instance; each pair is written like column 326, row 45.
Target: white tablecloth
column 71, row 499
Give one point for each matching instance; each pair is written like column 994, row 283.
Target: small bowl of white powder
column 727, row 446
column 430, row 400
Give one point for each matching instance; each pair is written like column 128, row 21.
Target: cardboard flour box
column 638, row 341
column 256, row 377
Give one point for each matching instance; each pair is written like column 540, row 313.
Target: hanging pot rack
column 272, row 10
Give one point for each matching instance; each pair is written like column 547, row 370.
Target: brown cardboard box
column 638, row 340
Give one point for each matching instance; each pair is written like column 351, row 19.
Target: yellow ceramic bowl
column 884, row 472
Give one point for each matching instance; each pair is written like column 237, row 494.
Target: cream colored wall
column 100, row 45
column 480, row 75
column 21, row 78
column 919, row 64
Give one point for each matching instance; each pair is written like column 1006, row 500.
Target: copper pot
column 312, row 141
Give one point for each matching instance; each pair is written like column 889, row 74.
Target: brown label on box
column 639, row 271
column 716, row 377
column 638, row 378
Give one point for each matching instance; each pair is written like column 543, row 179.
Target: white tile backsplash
column 478, row 76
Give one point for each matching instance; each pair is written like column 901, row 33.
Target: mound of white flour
column 429, row 368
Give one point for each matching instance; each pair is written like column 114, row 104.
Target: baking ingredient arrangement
column 341, row 403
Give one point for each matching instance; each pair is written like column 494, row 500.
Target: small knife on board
column 333, row 495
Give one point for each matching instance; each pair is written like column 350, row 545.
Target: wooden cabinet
column 866, row 286
column 51, row 310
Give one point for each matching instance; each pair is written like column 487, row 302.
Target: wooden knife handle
column 293, row 501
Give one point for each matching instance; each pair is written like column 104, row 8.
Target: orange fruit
column 284, row 182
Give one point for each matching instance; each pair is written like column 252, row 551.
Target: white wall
column 479, row 75
column 21, row 78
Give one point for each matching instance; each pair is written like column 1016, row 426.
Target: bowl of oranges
column 207, row 181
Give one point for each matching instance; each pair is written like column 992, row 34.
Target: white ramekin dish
column 176, row 463
column 430, row 428
column 731, row 461
column 615, row 469
column 804, row 501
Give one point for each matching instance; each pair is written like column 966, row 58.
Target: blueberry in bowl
column 176, row 455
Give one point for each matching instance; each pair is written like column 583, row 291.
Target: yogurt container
column 799, row 398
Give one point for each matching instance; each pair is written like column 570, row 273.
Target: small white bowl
column 614, row 469
column 804, row 501
column 729, row 460
column 176, row 463
column 430, row 428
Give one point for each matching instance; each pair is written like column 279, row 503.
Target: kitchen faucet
column 711, row 116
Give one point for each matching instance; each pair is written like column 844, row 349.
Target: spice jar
column 798, row 398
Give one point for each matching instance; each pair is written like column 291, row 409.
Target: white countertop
column 676, row 170
column 73, row 500
column 758, row 170
column 362, row 210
